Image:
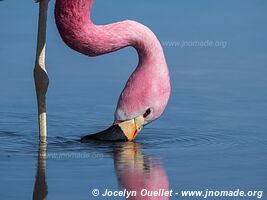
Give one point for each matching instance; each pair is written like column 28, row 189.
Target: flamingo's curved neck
column 77, row 30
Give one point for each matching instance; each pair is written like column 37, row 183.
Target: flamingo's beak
column 132, row 127
column 123, row 131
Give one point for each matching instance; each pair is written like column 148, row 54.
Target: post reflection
column 136, row 172
column 40, row 187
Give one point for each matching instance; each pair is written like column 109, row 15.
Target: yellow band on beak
column 132, row 127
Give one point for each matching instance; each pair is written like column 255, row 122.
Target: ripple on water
column 164, row 138
column 13, row 143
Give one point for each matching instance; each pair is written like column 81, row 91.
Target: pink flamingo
column 146, row 92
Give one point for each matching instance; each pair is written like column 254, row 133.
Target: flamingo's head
column 144, row 97
column 142, row 101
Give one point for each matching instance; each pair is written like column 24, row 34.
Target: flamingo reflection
column 136, row 171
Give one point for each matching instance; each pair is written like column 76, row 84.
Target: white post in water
column 40, row 74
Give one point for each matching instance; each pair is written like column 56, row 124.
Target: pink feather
column 149, row 85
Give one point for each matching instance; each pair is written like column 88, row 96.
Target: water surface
column 211, row 136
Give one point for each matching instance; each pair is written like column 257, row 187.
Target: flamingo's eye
column 148, row 111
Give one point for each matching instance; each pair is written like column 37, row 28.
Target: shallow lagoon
column 212, row 135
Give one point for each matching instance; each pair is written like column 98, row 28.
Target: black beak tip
column 113, row 133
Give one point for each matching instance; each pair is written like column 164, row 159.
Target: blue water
column 211, row 136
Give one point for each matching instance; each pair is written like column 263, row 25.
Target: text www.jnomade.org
column 183, row 193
